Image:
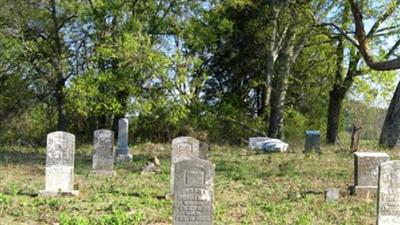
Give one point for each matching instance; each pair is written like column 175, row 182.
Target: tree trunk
column 335, row 107
column 391, row 128
column 355, row 138
column 278, row 94
column 62, row 124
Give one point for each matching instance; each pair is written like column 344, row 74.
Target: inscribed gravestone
column 193, row 192
column 60, row 158
column 366, row 168
column 183, row 148
column 103, row 158
column 122, row 143
column 313, row 140
column 389, row 193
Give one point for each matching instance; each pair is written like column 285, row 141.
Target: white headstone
column 103, row 157
column 389, row 193
column 60, row 158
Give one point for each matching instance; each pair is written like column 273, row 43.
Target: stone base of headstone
column 364, row 191
column 46, row 193
column 109, row 173
column 123, row 158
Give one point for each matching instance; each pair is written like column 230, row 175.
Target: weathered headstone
column 203, row 150
column 366, row 167
column 389, row 193
column 313, row 140
column 256, row 142
column 332, row 194
column 103, row 157
column 60, row 158
column 193, row 192
column 122, row 143
column 183, row 148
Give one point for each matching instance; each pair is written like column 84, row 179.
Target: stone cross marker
column 389, row 193
column 103, row 158
column 313, row 140
column 366, row 168
column 60, row 164
column 122, row 144
column 183, row 148
column 193, row 192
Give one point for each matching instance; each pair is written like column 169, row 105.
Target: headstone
column 256, row 142
column 313, row 140
column 193, row 192
column 122, row 143
column 103, row 158
column 183, row 148
column 389, row 193
column 203, row 150
column 274, row 145
column 331, row 194
column 60, row 164
column 366, row 166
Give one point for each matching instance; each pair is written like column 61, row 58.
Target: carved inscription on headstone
column 103, row 158
column 389, row 193
column 60, row 164
column 183, row 148
column 366, row 166
column 193, row 192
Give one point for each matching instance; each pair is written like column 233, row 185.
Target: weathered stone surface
column 366, row 167
column 256, row 142
column 332, row 194
column 122, row 143
column 60, row 158
column 313, row 141
column 193, row 192
column 389, row 193
column 203, row 150
column 183, row 148
column 103, row 157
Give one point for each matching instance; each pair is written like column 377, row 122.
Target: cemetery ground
column 250, row 188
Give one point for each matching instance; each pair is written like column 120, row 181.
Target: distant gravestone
column 103, row 158
column 122, row 143
column 313, row 140
column 332, row 194
column 60, row 164
column 203, row 150
column 366, row 166
column 183, row 148
column 256, row 142
column 193, row 192
column 389, row 193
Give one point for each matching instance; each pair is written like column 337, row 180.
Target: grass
column 250, row 188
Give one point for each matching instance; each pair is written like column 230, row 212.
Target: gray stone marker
column 60, row 158
column 193, row 192
column 366, row 168
column 332, row 194
column 103, row 157
column 388, row 210
column 203, row 150
column 256, row 142
column 183, row 148
column 122, row 143
column 313, row 140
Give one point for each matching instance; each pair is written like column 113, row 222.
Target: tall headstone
column 366, row 168
column 183, row 148
column 60, row 158
column 193, row 192
column 389, row 193
column 122, row 143
column 313, row 140
column 256, row 142
column 103, row 157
